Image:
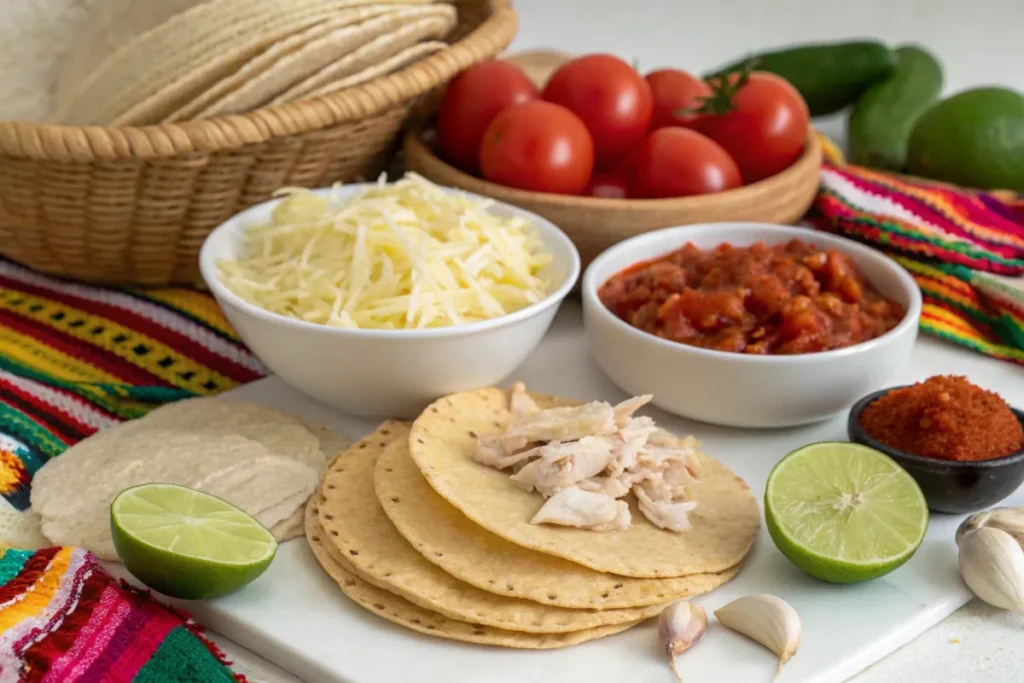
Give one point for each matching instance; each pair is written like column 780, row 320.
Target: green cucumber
column 830, row 77
column 879, row 127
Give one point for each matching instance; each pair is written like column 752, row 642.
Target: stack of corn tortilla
column 137, row 63
column 411, row 528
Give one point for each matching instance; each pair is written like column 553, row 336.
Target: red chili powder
column 947, row 418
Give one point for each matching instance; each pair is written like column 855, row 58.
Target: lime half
column 188, row 544
column 843, row 512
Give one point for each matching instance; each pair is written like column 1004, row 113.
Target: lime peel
column 188, row 544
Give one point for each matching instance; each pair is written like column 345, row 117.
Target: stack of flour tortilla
column 137, row 63
column 264, row 461
column 411, row 528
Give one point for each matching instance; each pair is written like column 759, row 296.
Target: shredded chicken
column 616, row 487
column 664, row 514
column 585, row 510
column 519, row 402
column 561, row 465
column 559, row 424
column 584, row 459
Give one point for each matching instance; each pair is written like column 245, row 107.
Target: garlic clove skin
column 1010, row 520
column 992, row 566
column 681, row 625
column 766, row 619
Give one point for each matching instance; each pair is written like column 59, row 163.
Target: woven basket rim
column 50, row 142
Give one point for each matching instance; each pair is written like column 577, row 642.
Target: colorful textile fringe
column 951, row 241
column 65, row 620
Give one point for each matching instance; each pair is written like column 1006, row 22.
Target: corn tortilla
column 191, row 52
column 725, row 521
column 360, row 531
column 397, row 62
column 111, row 25
column 263, row 61
column 467, row 551
column 317, row 54
column 388, row 44
column 402, row 612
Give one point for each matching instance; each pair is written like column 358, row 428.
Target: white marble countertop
column 978, row 42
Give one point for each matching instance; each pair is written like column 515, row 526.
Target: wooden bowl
column 595, row 223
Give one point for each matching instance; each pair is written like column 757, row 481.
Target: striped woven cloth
column 961, row 247
column 65, row 620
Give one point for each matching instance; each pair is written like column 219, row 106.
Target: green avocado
column 975, row 139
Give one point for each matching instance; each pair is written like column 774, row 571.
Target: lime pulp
column 843, row 512
column 188, row 544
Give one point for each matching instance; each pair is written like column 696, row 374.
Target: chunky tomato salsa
column 781, row 299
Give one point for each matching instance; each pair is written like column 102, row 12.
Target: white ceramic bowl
column 734, row 389
column 388, row 373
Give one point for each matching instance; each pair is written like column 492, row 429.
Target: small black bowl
column 948, row 485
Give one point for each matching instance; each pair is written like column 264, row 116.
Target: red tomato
column 761, row 121
column 538, row 146
column 679, row 162
column 611, row 98
column 471, row 102
column 608, row 186
column 675, row 90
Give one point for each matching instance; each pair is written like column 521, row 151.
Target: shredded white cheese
column 406, row 255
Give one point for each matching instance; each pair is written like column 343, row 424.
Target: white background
column 979, row 42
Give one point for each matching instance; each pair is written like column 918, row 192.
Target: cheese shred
column 406, row 255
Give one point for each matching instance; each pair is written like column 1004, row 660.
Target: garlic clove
column 992, row 566
column 1010, row 520
column 766, row 619
column 681, row 625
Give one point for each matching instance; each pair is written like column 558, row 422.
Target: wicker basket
column 133, row 205
column 594, row 224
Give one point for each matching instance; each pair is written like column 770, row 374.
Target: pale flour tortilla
column 332, row 443
column 371, row 53
column 402, row 612
column 208, row 62
column 73, row 492
column 281, row 433
column 361, row 533
column 260, row 63
column 450, row 540
column 403, row 59
column 20, row 529
column 270, row 488
column 111, row 25
column 189, row 52
column 725, row 522
column 401, row 28
column 290, row 528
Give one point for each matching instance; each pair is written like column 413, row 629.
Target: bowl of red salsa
column 747, row 324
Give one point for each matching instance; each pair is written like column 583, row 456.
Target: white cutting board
column 296, row 617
